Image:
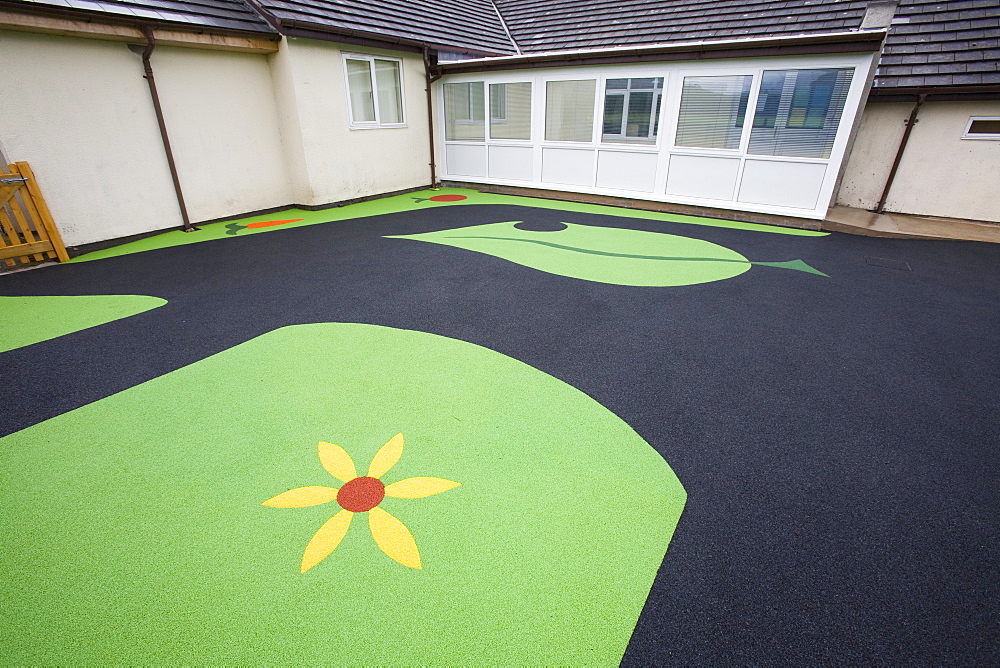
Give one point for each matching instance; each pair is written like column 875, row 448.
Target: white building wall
column 332, row 161
column 222, row 119
column 248, row 131
column 940, row 173
column 78, row 110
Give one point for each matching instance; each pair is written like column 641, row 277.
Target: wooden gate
column 27, row 233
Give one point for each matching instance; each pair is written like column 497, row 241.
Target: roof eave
column 842, row 42
column 952, row 93
column 91, row 16
column 319, row 31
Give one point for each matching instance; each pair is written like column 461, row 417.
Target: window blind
column 510, row 111
column 712, row 111
column 798, row 112
column 465, row 111
column 569, row 110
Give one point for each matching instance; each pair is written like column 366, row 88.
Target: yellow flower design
column 361, row 495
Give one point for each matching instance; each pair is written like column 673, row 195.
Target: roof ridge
column 503, row 23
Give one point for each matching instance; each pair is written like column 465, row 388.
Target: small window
column 632, row 110
column 983, row 127
column 464, row 111
column 569, row 110
column 712, row 111
column 375, row 90
column 510, row 111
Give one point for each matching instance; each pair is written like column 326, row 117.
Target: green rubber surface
column 410, row 202
column 28, row 320
column 133, row 530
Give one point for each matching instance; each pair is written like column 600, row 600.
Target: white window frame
column 994, row 136
column 377, row 123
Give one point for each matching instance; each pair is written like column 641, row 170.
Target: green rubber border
column 407, row 202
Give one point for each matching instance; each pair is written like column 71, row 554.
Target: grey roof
column 461, row 25
column 550, row 25
column 210, row 15
column 942, row 43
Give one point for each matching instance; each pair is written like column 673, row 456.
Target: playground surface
column 452, row 428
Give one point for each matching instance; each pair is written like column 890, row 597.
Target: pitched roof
column 941, row 43
column 462, row 25
column 549, row 25
column 211, row 15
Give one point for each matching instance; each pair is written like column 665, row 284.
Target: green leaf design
column 605, row 254
column 600, row 254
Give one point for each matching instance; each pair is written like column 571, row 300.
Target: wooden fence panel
column 27, row 231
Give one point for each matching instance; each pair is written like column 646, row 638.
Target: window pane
column 388, row 91
column 569, row 110
column 631, row 110
column 359, row 81
column 465, row 111
column 985, row 126
column 510, row 111
column 798, row 112
column 712, row 111
column 614, row 113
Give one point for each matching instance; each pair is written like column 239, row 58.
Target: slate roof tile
column 955, row 36
column 222, row 15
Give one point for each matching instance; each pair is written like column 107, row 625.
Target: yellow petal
column 302, row 497
column 393, row 538
column 386, row 457
column 417, row 488
column 337, row 462
column 326, row 539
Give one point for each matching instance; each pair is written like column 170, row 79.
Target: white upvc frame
column 994, row 136
column 377, row 123
column 672, row 74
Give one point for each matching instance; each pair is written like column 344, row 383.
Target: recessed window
column 632, row 110
column 375, row 90
column 983, row 127
column 510, row 110
column 712, row 111
column 569, row 110
column 464, row 111
column 798, row 112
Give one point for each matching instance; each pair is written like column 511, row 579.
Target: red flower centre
column 361, row 494
column 447, row 198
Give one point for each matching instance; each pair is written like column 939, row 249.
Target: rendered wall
column 940, row 174
column 80, row 113
column 329, row 160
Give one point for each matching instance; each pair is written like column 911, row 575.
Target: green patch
column 290, row 218
column 27, row 320
column 134, row 531
column 605, row 254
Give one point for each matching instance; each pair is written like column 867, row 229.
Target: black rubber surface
column 839, row 438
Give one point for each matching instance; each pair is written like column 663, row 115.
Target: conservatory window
column 632, row 110
column 465, row 111
column 798, row 112
column 569, row 110
column 712, row 111
column 510, row 111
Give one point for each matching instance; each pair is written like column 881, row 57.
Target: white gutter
column 663, row 45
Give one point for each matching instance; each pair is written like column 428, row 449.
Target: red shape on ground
column 361, row 494
column 272, row 223
column 447, row 198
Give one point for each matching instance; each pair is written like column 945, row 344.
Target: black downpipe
column 429, row 79
column 148, row 68
column 910, row 122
